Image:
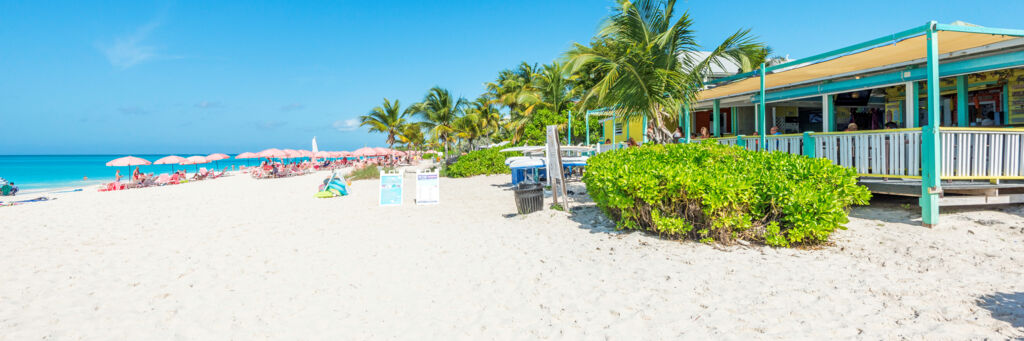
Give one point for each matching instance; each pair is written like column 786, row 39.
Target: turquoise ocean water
column 36, row 172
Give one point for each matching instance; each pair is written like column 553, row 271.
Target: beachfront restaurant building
column 935, row 111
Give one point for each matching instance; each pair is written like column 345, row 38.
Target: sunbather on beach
column 8, row 189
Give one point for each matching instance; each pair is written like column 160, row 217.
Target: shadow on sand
column 1004, row 306
column 890, row 209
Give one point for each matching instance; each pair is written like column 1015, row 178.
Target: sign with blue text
column 427, row 188
column 390, row 189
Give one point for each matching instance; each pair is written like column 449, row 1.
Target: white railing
column 981, row 153
column 752, row 143
column 881, row 153
column 727, row 140
column 792, row 144
column 601, row 148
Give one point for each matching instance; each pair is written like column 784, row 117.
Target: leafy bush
column 429, row 156
column 479, row 162
column 711, row 192
column 368, row 172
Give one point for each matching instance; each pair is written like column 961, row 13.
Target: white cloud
column 207, row 105
column 132, row 110
column 292, row 106
column 130, row 50
column 346, row 125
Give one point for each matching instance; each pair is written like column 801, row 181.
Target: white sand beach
column 238, row 258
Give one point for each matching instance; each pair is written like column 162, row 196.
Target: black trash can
column 529, row 197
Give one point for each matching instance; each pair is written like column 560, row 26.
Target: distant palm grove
column 642, row 62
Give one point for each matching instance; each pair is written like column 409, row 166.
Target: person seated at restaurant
column 891, row 125
column 631, row 142
column 988, row 121
column 851, row 127
column 676, row 135
column 704, row 133
column 607, row 141
column 774, row 130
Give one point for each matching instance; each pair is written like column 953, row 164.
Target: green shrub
column 429, row 156
column 711, row 192
column 479, row 162
column 368, row 172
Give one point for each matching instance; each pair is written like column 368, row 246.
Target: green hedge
column 712, row 192
column 479, row 162
column 429, row 156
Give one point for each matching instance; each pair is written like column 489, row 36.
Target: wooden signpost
column 556, row 178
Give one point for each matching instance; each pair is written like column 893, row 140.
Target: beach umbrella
column 382, row 151
column 272, row 153
column 365, row 151
column 246, row 155
column 217, row 157
column 169, row 160
column 128, row 161
column 323, row 154
column 194, row 160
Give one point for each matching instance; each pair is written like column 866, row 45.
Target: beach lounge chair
column 222, row 172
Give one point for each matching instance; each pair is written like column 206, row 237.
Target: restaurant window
column 618, row 128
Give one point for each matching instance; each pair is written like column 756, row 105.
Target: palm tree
column 388, row 118
column 469, row 127
column 514, row 89
column 439, row 112
column 553, row 87
column 650, row 67
column 489, row 116
column 412, row 135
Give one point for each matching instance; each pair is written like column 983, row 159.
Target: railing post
column 740, row 141
column 809, row 144
column 931, row 153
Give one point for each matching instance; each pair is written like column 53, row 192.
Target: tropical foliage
column 480, row 162
column 694, row 191
column 388, row 118
column 643, row 62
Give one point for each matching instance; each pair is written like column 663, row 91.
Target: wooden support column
column 716, row 113
column 828, row 113
column 931, row 153
column 961, row 102
column 910, row 116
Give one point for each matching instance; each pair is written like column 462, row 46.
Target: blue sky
column 199, row 77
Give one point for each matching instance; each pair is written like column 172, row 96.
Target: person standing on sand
column 117, row 176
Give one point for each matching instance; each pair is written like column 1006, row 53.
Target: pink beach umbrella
column 128, row 161
column 169, row 160
column 217, row 157
column 323, row 154
column 194, row 160
column 365, row 151
column 382, row 151
column 272, row 153
column 246, row 155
